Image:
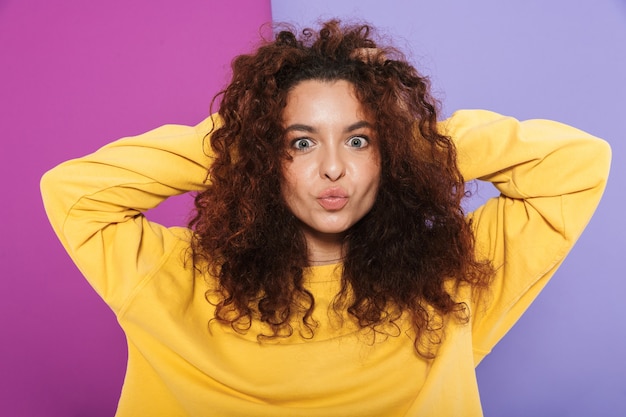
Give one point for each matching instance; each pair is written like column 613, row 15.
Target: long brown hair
column 400, row 257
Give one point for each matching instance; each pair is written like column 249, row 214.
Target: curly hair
column 400, row 258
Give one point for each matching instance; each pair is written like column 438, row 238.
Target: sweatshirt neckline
column 324, row 273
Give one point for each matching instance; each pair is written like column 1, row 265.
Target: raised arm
column 551, row 177
column 95, row 204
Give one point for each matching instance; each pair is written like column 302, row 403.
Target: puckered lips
column 333, row 199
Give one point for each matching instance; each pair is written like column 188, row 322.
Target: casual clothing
column 550, row 176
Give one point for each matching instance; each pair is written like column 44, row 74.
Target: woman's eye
column 358, row 142
column 302, row 144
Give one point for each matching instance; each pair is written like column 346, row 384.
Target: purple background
column 562, row 60
column 75, row 75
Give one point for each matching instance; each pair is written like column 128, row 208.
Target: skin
column 333, row 176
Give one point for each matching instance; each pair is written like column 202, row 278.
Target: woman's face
column 333, row 177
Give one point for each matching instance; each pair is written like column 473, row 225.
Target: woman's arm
column 95, row 204
column 551, row 177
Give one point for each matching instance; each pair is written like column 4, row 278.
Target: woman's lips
column 333, row 199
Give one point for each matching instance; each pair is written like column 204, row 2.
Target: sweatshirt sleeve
column 550, row 177
column 95, row 205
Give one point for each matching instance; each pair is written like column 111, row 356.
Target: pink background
column 75, row 75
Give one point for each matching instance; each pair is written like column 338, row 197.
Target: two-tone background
column 75, row 75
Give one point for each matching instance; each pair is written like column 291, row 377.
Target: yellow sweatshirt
column 550, row 177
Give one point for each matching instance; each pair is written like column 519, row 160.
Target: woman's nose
column 332, row 164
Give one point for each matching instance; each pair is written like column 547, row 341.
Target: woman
column 328, row 268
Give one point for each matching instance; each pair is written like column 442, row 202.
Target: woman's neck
column 324, row 261
column 324, row 249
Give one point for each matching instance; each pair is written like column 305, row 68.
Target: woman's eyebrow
column 358, row 125
column 301, row 128
column 310, row 129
